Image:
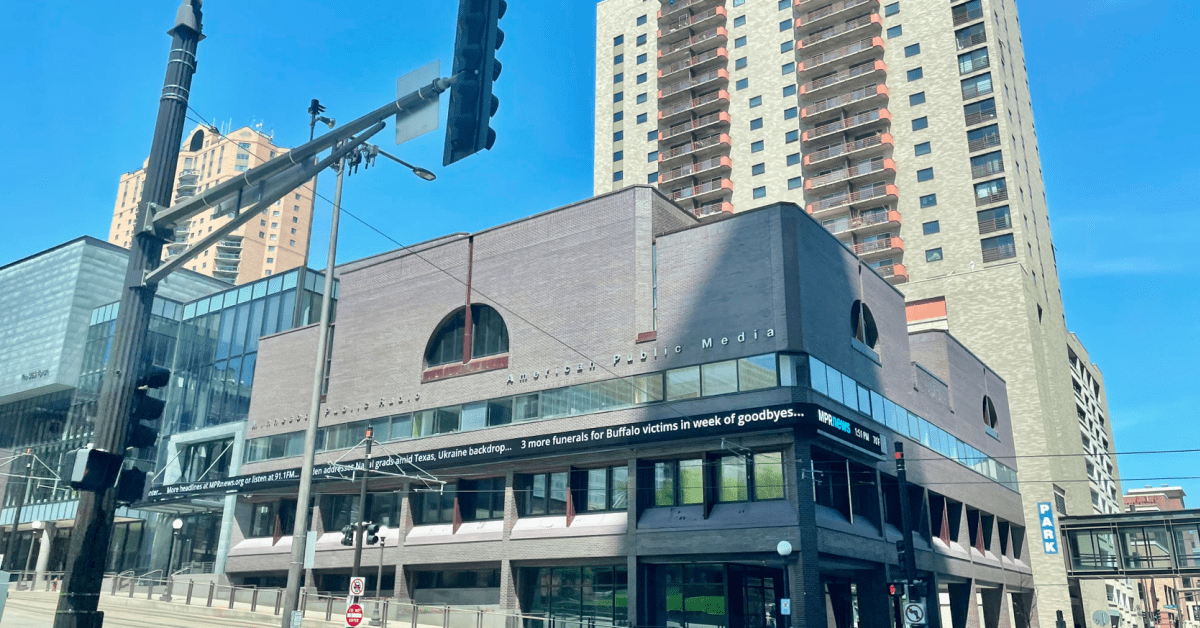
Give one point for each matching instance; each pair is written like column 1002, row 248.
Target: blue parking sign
column 1046, row 522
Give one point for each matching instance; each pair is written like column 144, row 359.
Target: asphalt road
column 26, row 611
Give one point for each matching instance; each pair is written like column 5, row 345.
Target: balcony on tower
column 674, row 8
column 712, row 208
column 713, row 16
column 710, row 190
column 817, row 13
column 696, row 124
column 859, row 123
column 713, row 57
column 878, row 246
column 677, row 49
column 877, row 144
column 698, row 106
column 894, row 272
column 703, row 147
column 187, row 184
column 866, row 170
column 712, row 166
column 716, row 77
column 875, row 94
column 869, row 70
column 866, row 223
column 838, row 34
column 874, row 195
column 851, row 53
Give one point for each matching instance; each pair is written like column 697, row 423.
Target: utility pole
column 10, row 552
column 94, row 517
column 361, row 530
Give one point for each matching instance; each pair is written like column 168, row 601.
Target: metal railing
column 686, row 105
column 834, row 31
column 709, row 209
column 689, row 83
column 845, row 123
column 688, row 20
column 843, row 225
column 875, row 165
column 679, row 6
column 696, row 190
column 973, row 40
column 975, row 90
column 981, row 143
column 712, row 33
column 841, row 100
column 1004, row 251
column 836, row 7
column 865, row 194
column 691, row 147
column 690, row 169
column 988, row 168
column 838, row 53
column 691, row 61
column 975, row 64
column 848, row 147
column 230, row 243
column 994, row 197
column 874, row 246
column 980, row 117
column 962, row 17
column 840, row 76
column 995, row 224
column 888, row 270
column 691, row 125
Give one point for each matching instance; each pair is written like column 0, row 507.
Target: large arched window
column 862, row 324
column 489, row 336
column 197, row 141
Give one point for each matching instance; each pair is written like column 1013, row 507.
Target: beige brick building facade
column 276, row 242
column 906, row 128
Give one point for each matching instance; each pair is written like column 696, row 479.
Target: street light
column 176, row 528
column 372, row 151
column 784, row 549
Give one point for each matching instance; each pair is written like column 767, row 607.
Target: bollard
column 212, row 588
column 479, row 619
column 414, row 616
column 278, row 600
column 150, row 591
column 446, row 617
column 116, row 581
column 232, row 594
column 329, row 609
column 132, row 586
column 385, row 612
column 254, row 600
column 303, row 601
column 189, row 593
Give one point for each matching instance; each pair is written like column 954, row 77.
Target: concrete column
column 808, row 594
column 994, row 613
column 43, row 555
column 873, row 599
column 508, row 587
column 401, row 592
column 228, row 516
column 964, row 611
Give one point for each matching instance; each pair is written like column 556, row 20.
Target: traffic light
column 472, row 104
column 146, row 408
column 348, row 536
column 1157, row 616
column 131, row 485
column 372, row 534
column 316, row 108
column 901, row 552
column 94, row 470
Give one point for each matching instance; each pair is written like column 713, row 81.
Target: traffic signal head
column 146, row 408
column 316, row 108
column 94, row 470
column 348, row 536
column 131, row 485
column 472, row 104
column 372, row 534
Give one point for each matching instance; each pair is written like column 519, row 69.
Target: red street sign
column 354, row 615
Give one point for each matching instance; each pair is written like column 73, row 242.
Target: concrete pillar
column 873, row 598
column 964, row 611
column 402, row 590
column 509, row 601
column 228, row 516
column 808, row 596
column 43, row 555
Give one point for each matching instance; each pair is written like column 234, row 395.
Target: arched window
column 197, row 141
column 489, row 336
column 862, row 324
column 989, row 412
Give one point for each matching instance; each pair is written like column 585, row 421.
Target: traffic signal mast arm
column 269, row 191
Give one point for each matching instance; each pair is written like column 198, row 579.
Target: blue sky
column 1113, row 84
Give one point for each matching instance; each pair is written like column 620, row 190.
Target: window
column 618, row 175
column 618, row 40
column 679, row 482
column 977, row 86
column 618, row 155
column 933, row 255
column 971, row 61
column 970, row 36
column 757, row 147
column 641, row 40
column 641, row 117
column 270, row 260
column 786, row 46
column 891, row 9
column 915, row 74
column 759, row 192
column 481, row 500
column 981, row 111
column 990, row 192
column 755, row 101
column 641, row 78
column 895, row 31
column 641, row 98
column 618, row 77
column 618, row 136
column 641, row 58
column 989, row 164
column 641, row 20
column 738, row 3
column 785, row 4
column 652, row 157
column 788, row 68
column 756, row 123
column 791, row 136
column 922, row 149
column 920, row 123
column 758, row 169
column 652, row 136
column 741, row 84
column 916, row 99
column 739, row 42
column 295, row 219
column 912, row 50
column 795, row 183
column 618, row 116
column 789, row 90
column 739, row 63
column 989, row 412
column 618, row 59
column 793, row 159
column 739, row 21
column 489, row 336
column 998, row 248
column 618, row 97
column 862, row 324
column 925, row 174
column 983, row 137
column 785, row 25
column 430, row 507
column 931, row 227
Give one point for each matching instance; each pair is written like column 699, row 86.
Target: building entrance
column 715, row 595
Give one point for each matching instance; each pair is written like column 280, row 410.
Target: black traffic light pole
column 94, row 518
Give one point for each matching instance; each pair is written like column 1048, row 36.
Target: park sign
column 1046, row 523
column 803, row 416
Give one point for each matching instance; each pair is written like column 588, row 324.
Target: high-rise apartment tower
column 906, row 128
column 276, row 242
